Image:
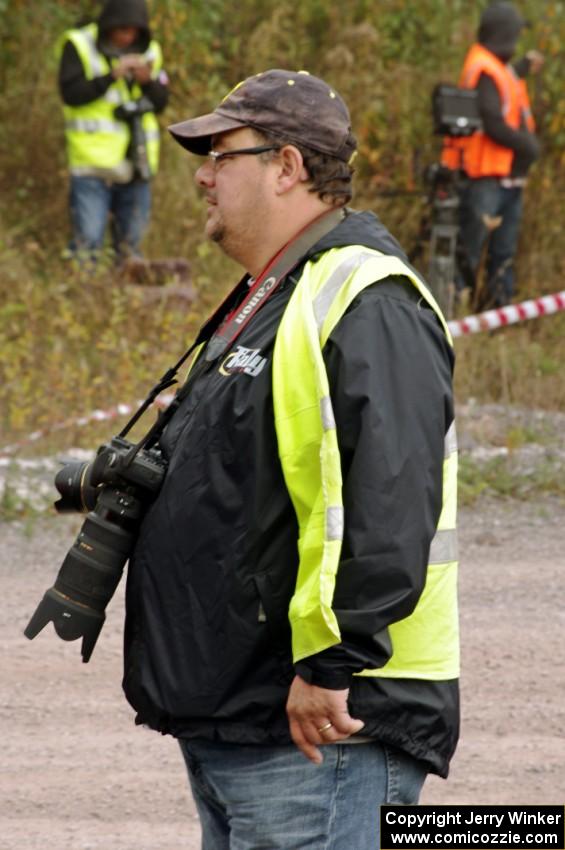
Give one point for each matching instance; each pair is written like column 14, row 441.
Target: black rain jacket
column 207, row 637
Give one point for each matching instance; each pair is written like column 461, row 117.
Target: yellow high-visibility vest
column 96, row 140
column 426, row 643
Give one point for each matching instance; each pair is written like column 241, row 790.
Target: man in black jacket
column 112, row 85
column 291, row 600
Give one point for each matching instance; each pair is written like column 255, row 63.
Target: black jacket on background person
column 207, row 638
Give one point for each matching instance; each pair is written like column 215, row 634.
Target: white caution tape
column 488, row 321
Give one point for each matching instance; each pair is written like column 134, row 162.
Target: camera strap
column 168, row 380
column 234, row 323
column 267, row 282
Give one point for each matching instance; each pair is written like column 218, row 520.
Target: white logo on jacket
column 245, row 360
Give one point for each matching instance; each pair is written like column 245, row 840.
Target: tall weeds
column 71, row 341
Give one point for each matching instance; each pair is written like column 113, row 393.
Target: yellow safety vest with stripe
column 425, row 644
column 96, row 140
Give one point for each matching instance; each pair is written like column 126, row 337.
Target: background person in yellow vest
column 497, row 159
column 291, row 601
column 112, row 84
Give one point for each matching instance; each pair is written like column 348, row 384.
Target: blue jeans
column 93, row 202
column 273, row 798
column 487, row 197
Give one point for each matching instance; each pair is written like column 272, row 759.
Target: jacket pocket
column 272, row 615
column 272, row 609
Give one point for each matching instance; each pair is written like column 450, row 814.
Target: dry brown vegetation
column 71, row 342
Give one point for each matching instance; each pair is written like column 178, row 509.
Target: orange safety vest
column 479, row 155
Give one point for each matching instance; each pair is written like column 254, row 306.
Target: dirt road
column 76, row 774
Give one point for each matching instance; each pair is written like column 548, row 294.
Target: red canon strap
column 268, row 281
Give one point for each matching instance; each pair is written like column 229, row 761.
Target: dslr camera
column 132, row 113
column 116, row 489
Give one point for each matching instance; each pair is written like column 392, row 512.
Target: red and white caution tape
column 81, row 421
column 487, row 321
column 508, row 315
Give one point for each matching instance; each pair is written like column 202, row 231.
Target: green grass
column 500, row 477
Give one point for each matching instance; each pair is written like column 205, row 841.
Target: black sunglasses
column 217, row 156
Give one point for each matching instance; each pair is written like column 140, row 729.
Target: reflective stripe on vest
column 478, row 154
column 95, row 139
column 91, row 125
column 425, row 644
column 96, row 64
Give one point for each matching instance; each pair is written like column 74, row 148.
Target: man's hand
column 132, row 65
column 318, row 716
column 142, row 73
column 536, row 59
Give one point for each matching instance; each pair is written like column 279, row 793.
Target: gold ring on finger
column 325, row 727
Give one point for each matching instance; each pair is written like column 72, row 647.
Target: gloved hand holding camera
column 134, row 67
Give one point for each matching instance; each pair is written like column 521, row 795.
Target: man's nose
column 205, row 175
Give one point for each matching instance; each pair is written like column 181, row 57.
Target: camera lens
column 73, row 483
column 126, row 479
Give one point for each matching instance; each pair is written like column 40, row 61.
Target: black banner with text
column 472, row 827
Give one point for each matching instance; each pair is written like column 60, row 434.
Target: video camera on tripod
column 455, row 114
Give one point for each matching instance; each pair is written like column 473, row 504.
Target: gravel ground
column 76, row 774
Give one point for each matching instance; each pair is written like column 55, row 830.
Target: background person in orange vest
column 496, row 160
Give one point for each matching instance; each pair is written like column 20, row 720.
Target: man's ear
column 291, row 169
